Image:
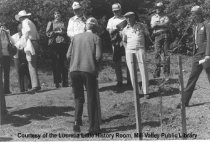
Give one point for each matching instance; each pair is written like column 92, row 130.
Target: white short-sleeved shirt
column 113, row 22
column 76, row 25
column 29, row 29
column 134, row 36
column 158, row 19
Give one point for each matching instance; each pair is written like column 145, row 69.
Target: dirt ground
column 49, row 114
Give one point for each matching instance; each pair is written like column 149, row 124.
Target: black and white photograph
column 104, row 70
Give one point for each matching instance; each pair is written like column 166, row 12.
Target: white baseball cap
column 159, row 5
column 116, row 7
column 76, row 5
column 196, row 9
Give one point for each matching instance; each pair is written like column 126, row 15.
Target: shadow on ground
column 116, row 89
column 130, row 127
column 27, row 92
column 161, row 80
column 164, row 92
column 25, row 116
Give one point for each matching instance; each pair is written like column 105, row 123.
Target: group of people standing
column 84, row 53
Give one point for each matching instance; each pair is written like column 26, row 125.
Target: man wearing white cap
column 159, row 24
column 116, row 46
column 134, row 42
column 202, row 52
column 84, row 54
column 76, row 23
column 30, row 35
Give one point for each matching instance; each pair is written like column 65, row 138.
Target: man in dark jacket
column 202, row 52
column 84, row 54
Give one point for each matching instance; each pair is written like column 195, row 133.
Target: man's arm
column 70, row 29
column 69, row 52
column 207, row 52
column 49, row 31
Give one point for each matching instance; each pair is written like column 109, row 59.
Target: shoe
column 119, row 84
column 7, row 92
column 38, row 88
column 76, row 127
column 57, row 85
column 147, row 96
column 94, row 131
column 34, row 90
column 156, row 75
column 65, row 85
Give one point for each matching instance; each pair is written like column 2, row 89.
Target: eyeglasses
column 116, row 11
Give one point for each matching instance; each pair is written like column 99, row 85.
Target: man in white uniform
column 134, row 41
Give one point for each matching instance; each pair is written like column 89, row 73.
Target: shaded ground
column 52, row 111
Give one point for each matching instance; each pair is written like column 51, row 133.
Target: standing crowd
column 82, row 56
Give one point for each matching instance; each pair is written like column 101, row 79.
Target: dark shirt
column 203, row 38
column 56, row 30
column 84, row 52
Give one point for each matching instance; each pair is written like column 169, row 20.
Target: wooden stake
column 183, row 110
column 2, row 98
column 161, row 108
column 98, row 104
column 136, row 97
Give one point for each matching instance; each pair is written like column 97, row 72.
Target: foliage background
column 42, row 12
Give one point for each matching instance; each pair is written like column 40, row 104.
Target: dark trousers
column 79, row 80
column 24, row 79
column 195, row 73
column 6, row 72
column 60, row 64
column 161, row 47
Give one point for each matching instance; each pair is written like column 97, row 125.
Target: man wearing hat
column 159, row 24
column 84, row 54
column 29, row 32
column 202, row 51
column 117, row 47
column 76, row 23
column 134, row 42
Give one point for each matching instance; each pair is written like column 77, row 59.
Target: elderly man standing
column 159, row 24
column 134, row 41
column 84, row 54
column 202, row 52
column 29, row 32
column 76, row 24
column 117, row 47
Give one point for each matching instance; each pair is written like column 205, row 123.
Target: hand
column 28, row 53
column 207, row 58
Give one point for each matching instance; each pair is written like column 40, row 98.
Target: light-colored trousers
column 32, row 66
column 141, row 62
